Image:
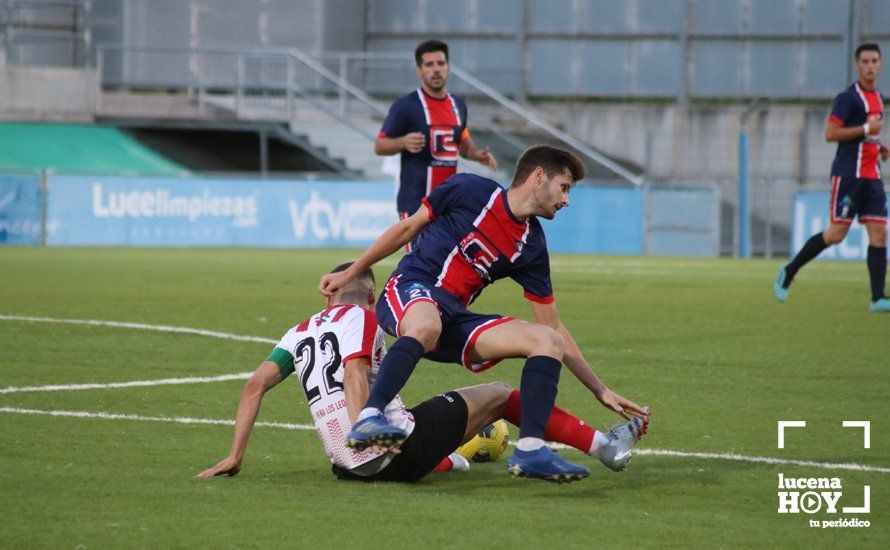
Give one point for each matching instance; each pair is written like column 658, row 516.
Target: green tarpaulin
column 78, row 148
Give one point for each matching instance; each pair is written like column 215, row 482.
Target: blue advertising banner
column 20, row 210
column 683, row 222
column 122, row 211
column 126, row 211
column 599, row 221
column 811, row 215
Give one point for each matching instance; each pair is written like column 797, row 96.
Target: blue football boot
column 780, row 291
column 375, row 431
column 545, row 464
column 880, row 306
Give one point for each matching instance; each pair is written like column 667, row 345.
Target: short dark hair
column 868, row 47
column 551, row 159
column 366, row 276
column 427, row 47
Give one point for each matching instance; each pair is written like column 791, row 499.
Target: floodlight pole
column 744, row 193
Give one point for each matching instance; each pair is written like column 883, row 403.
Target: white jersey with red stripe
column 317, row 351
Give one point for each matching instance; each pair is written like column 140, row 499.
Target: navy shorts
column 460, row 327
column 851, row 197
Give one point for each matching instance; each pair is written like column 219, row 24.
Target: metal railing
column 342, row 85
column 60, row 25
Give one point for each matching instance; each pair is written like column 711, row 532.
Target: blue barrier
column 128, row 211
column 599, row 221
column 811, row 215
column 125, row 211
column 682, row 222
column 122, row 211
column 20, row 210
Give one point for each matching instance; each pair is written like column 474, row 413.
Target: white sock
column 368, row 411
column 459, row 463
column 529, row 443
column 598, row 441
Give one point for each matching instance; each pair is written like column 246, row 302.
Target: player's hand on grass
column 413, row 142
column 228, row 467
column 332, row 282
column 622, row 406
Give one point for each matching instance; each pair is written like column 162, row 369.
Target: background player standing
column 856, row 119
column 429, row 128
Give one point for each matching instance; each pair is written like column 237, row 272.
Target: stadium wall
column 32, row 93
column 79, row 210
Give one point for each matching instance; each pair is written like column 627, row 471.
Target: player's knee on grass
column 497, row 393
column 485, row 405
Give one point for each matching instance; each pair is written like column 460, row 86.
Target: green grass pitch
column 700, row 341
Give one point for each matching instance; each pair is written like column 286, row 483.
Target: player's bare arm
column 355, row 385
column 469, row 150
column 266, row 377
column 547, row 314
column 390, row 241
column 413, row 142
column 836, row 132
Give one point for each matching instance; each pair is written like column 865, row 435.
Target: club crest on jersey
column 478, row 254
column 442, row 144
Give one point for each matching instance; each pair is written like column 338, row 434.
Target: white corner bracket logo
column 812, row 495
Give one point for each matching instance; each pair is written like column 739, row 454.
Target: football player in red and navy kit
column 474, row 233
column 429, row 128
column 855, row 123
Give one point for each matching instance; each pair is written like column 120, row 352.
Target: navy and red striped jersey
column 474, row 239
column 857, row 157
column 444, row 123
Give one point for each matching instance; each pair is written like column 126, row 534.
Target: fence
column 80, row 210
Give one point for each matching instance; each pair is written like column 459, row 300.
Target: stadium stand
column 79, row 148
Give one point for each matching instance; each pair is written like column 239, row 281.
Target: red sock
column 445, row 465
column 563, row 427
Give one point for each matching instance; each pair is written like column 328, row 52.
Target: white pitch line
column 141, row 326
column 286, row 426
column 765, row 460
column 245, row 375
column 132, row 384
column 173, row 419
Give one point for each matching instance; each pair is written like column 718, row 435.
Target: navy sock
column 537, row 394
column 395, row 370
column 810, row 250
column 877, row 270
